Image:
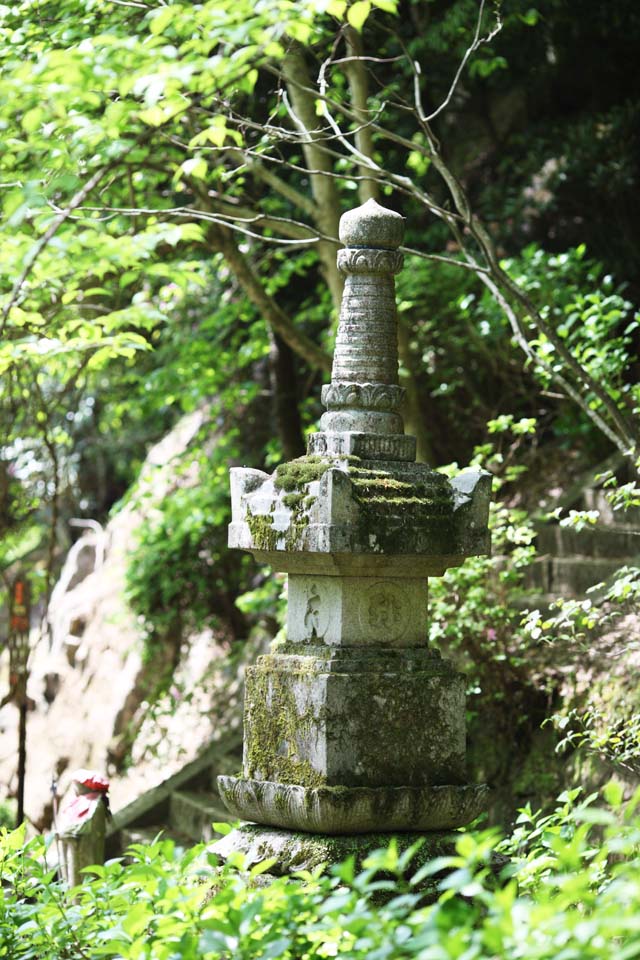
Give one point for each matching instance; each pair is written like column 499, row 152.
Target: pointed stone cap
column 372, row 226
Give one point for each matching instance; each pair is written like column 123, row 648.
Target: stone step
column 191, row 813
column 569, row 576
column 599, row 542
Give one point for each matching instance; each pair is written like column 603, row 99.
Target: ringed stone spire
column 363, row 399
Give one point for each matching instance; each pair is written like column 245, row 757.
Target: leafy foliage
column 570, row 889
column 473, row 608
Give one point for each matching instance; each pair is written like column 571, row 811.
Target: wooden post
column 19, row 621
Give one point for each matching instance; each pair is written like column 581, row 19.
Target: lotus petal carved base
column 352, row 810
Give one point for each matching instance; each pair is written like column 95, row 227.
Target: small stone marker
column 81, row 827
column 353, row 725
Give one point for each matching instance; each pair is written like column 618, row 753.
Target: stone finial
column 371, row 226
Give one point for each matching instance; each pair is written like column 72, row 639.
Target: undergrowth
column 568, row 889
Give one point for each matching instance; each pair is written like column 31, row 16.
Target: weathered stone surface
column 80, row 850
column 373, row 721
column 356, row 611
column 294, row 851
column 352, row 810
column 342, row 512
column 371, row 225
column 353, row 725
column 367, row 446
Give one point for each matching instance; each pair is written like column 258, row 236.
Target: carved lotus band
column 362, row 396
column 367, row 260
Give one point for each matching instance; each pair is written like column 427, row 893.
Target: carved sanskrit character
column 312, row 614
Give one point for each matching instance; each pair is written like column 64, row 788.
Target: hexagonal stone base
column 344, row 810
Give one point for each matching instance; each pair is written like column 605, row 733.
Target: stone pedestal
column 353, row 725
column 293, row 851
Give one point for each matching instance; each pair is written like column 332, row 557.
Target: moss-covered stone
column 313, row 723
column 263, row 533
column 266, row 537
column 298, row 473
column 275, row 726
column 294, row 851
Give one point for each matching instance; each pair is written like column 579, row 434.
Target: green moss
column 275, row 727
column 382, row 484
column 294, row 500
column 381, row 489
column 267, row 538
column 262, row 532
column 297, row 473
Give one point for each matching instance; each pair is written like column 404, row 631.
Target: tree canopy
column 172, row 178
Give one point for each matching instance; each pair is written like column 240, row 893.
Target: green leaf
column 222, row 828
column 137, row 919
column 613, row 792
column 195, row 167
column 160, row 19
column 358, row 13
column 32, row 119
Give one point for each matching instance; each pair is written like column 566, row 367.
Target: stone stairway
column 570, row 561
column 183, row 807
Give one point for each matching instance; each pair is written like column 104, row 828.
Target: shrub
column 570, row 892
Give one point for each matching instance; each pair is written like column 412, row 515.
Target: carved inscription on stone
column 382, row 611
column 312, row 613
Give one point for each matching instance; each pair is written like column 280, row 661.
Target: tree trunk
column 284, row 392
column 320, row 165
column 413, row 415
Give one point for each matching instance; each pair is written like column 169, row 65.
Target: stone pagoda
column 353, row 724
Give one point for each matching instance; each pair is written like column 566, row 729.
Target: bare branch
column 325, row 194
column 473, row 266
column 359, row 89
column 478, row 41
column 569, row 390
column 232, row 221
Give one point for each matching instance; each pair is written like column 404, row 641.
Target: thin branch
column 396, row 180
column 358, row 79
column 473, row 266
column 222, row 241
column 478, row 41
column 232, row 221
column 536, row 360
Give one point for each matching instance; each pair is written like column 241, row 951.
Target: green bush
column 569, row 892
